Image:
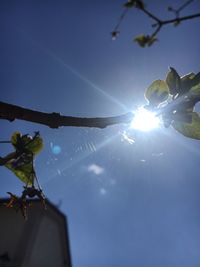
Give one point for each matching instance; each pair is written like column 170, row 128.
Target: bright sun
column 145, row 120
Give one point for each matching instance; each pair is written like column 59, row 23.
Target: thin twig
column 184, row 5
column 170, row 21
column 120, row 19
column 144, row 10
column 156, row 31
column 165, row 22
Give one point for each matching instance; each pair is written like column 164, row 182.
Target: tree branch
column 153, row 35
column 144, row 40
column 184, row 5
column 151, row 15
column 55, row 120
column 160, row 23
column 180, row 19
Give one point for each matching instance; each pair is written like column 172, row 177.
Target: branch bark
column 55, row 120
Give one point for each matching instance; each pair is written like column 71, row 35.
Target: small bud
column 115, row 34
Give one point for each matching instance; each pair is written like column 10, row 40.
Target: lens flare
column 56, row 150
column 145, row 120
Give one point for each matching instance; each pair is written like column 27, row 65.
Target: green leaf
column 157, row 92
column 27, row 142
column 22, row 167
column 194, row 95
column 196, row 79
column 186, row 105
column 20, row 162
column 195, row 90
column 145, row 40
column 134, row 3
column 35, row 145
column 174, row 82
column 186, row 82
column 189, row 81
column 195, row 86
column 191, row 130
column 183, row 117
column 15, row 138
column 142, row 40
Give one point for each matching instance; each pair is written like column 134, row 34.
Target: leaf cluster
column 175, row 100
column 21, row 163
column 145, row 40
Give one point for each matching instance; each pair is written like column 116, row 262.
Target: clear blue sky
column 127, row 204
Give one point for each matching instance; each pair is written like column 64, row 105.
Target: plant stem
column 164, row 22
column 151, row 15
column 55, row 120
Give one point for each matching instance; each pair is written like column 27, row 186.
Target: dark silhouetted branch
column 178, row 10
column 144, row 10
column 165, row 22
column 55, row 120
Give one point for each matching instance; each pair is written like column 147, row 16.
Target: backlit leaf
column 35, row 145
column 20, row 162
column 142, row 40
column 145, row 40
column 174, row 82
column 186, row 82
column 190, row 81
column 27, row 142
column 157, row 92
column 191, row 130
column 22, row 168
column 196, row 79
column 195, row 90
column 15, row 138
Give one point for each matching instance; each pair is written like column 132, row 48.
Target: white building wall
column 40, row 241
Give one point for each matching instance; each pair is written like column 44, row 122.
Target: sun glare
column 145, row 120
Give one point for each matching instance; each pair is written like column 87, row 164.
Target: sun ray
column 63, row 166
column 71, row 69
